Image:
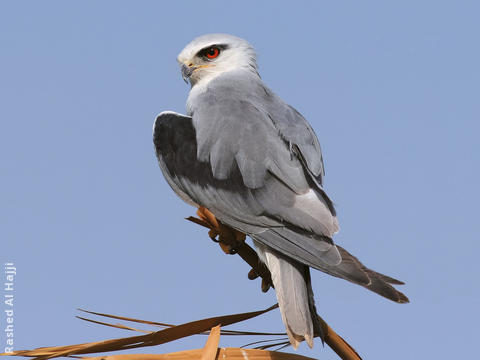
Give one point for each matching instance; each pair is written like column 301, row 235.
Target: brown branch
column 127, row 343
column 232, row 241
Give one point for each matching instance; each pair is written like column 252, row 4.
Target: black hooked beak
column 187, row 71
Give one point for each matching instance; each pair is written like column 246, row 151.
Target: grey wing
column 296, row 130
column 274, row 202
column 172, row 128
column 272, row 212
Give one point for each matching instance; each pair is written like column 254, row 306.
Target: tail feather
column 317, row 327
column 293, row 288
column 295, row 296
column 353, row 270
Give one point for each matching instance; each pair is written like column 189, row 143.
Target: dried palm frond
column 150, row 339
column 231, row 241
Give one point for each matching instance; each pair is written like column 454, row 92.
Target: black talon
column 252, row 274
column 265, row 286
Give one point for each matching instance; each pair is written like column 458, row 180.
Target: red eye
column 212, row 53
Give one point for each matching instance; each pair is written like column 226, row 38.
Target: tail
column 309, row 249
column 351, row 269
column 295, row 296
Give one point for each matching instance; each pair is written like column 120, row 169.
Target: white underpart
column 314, row 205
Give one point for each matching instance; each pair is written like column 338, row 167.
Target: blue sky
column 391, row 89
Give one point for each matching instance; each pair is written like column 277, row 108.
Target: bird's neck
column 202, row 85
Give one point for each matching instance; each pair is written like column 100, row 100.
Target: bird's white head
column 211, row 55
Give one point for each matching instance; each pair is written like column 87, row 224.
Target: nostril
column 191, row 64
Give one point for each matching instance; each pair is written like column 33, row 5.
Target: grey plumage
column 256, row 163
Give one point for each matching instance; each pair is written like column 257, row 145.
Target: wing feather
column 252, row 211
column 257, row 165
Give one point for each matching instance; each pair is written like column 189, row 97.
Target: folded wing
column 259, row 183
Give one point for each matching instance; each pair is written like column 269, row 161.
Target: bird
column 256, row 163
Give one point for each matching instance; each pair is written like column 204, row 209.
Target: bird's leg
column 213, row 235
column 208, row 220
column 266, row 280
column 233, row 242
column 252, row 274
column 229, row 239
